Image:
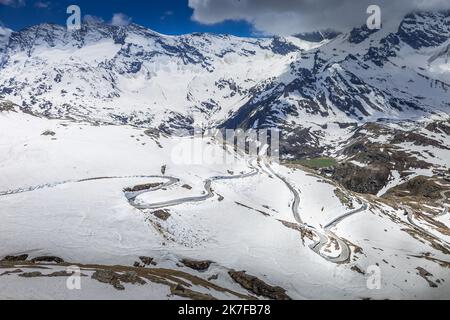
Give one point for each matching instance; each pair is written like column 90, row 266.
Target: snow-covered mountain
column 134, row 75
column 117, row 202
column 396, row 72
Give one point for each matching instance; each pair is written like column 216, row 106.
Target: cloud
column 120, row 19
column 167, row 14
column 13, row 3
column 41, row 4
column 90, row 19
column 286, row 17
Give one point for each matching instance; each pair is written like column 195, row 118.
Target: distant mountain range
column 133, row 75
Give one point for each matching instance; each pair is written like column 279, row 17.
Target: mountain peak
column 425, row 29
column 318, row 36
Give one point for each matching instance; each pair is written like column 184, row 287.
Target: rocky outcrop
column 7, row 106
column 196, row 265
column 181, row 291
column 162, row 214
column 116, row 279
column 49, row 133
column 422, row 187
column 48, row 259
column 19, row 258
column 370, row 179
column 258, row 286
column 142, row 187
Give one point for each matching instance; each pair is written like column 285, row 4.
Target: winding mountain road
column 325, row 236
column 209, row 192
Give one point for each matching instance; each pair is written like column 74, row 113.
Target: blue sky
column 168, row 17
column 238, row 17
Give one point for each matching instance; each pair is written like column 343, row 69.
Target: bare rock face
column 115, row 279
column 20, row 258
column 109, row 277
column 7, row 273
column 196, row 265
column 49, row 259
column 7, row 106
column 418, row 187
column 34, row 274
column 153, row 133
column 143, row 187
column 370, row 179
column 48, row 133
column 37, row 274
column 426, row 275
column 439, row 127
column 181, row 291
column 131, row 277
column 258, row 286
column 147, row 261
column 162, row 214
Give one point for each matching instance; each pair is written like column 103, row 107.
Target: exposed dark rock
column 417, row 187
column 22, row 257
column 47, row 259
column 439, row 127
column 304, row 232
column 131, row 277
column 162, row 214
column 180, row 291
column 7, row 106
column 281, row 46
column 213, row 277
column 370, row 179
column 108, row 277
column 59, row 274
column 357, row 269
column 358, row 35
column 153, row 133
column 48, row 133
column 425, row 274
column 143, row 187
column 425, row 29
column 417, row 139
column 258, row 286
column 196, row 265
column 186, row 186
column 6, row 273
column 318, row 36
column 147, row 261
column 34, row 274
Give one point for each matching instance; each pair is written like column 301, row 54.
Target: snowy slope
column 398, row 72
column 75, row 149
column 82, row 170
column 134, row 75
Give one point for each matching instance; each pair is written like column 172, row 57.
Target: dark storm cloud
column 292, row 16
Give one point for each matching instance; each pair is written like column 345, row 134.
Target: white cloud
column 90, row 19
column 42, row 4
column 120, row 19
column 13, row 3
column 286, row 17
column 167, row 14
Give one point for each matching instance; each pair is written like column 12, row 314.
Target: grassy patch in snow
column 317, row 163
